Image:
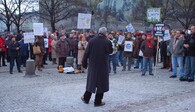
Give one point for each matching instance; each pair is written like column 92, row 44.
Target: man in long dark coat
column 97, row 52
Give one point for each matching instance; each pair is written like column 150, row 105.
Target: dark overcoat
column 97, row 52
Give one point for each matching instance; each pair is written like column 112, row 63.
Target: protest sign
column 128, row 46
column 46, row 43
column 167, row 35
column 130, row 28
column 29, row 37
column 120, row 40
column 153, row 15
column 38, row 29
column 84, row 21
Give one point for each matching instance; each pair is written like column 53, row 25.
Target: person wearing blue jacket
column 24, row 53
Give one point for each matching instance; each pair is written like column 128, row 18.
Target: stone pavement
column 129, row 92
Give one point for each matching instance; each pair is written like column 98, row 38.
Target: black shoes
column 182, row 79
column 101, row 104
column 190, row 80
column 20, row 71
column 136, row 67
column 173, row 76
column 143, row 75
column 151, row 74
column 82, row 98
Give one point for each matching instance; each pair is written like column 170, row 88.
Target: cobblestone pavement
column 129, row 92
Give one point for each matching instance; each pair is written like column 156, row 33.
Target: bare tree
column 184, row 12
column 21, row 14
column 6, row 12
column 56, row 10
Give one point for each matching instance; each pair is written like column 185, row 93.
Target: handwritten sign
column 84, row 21
column 128, row 46
column 38, row 29
column 130, row 28
column 153, row 15
column 120, row 40
column 29, row 37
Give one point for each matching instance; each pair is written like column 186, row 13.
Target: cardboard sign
column 29, row 37
column 84, row 21
column 128, row 46
column 38, row 29
column 120, row 40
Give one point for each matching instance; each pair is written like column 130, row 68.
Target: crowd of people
column 178, row 51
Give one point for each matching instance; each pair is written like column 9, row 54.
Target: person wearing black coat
column 97, row 52
column 14, row 48
column 190, row 46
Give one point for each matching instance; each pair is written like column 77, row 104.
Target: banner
column 29, row 37
column 120, row 40
column 128, row 46
column 130, row 28
column 38, row 29
column 153, row 15
column 167, row 35
column 46, row 43
column 84, row 21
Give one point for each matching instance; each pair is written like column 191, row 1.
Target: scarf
column 149, row 43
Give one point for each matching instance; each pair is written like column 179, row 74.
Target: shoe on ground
column 4, row 65
column 20, row 71
column 182, row 79
column 151, row 74
column 114, row 72
column 136, row 67
column 190, row 80
column 11, row 72
column 173, row 76
column 82, row 98
column 143, row 75
column 98, row 105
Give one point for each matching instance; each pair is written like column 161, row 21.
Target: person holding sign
column 148, row 48
column 128, row 51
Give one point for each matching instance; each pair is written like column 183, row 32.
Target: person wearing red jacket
column 2, row 50
column 50, row 46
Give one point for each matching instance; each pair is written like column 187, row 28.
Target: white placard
column 46, row 43
column 128, row 46
column 84, row 21
column 29, row 37
column 167, row 35
column 38, row 29
column 153, row 15
column 130, row 28
column 120, row 39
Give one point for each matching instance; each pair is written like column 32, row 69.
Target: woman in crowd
column 53, row 45
column 82, row 45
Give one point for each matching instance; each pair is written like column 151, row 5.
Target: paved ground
column 129, row 92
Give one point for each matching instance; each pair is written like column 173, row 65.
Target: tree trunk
column 18, row 28
column 53, row 26
column 8, row 27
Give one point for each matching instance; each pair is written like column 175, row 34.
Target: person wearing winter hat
column 148, row 48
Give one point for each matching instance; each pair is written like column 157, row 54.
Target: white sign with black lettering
column 46, row 43
column 128, row 46
column 29, row 37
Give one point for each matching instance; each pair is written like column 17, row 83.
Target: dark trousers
column 12, row 59
column 50, row 58
column 7, row 55
column 165, row 61
column 98, row 97
column 45, row 57
column 23, row 60
column 62, row 61
column 2, row 57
